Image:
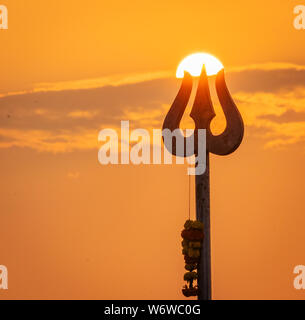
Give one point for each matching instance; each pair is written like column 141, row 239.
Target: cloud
column 81, row 114
column 286, row 117
column 123, row 79
column 266, row 80
column 271, row 98
column 114, row 80
column 270, row 66
column 280, row 116
column 48, row 141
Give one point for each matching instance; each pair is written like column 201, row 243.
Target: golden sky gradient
column 71, row 228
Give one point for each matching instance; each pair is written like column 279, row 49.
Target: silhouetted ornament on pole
column 223, row 144
column 193, row 236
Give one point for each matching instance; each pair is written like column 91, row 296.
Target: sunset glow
column 72, row 228
column 194, row 63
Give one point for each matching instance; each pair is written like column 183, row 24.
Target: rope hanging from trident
column 224, row 144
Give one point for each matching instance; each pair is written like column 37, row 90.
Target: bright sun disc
column 193, row 64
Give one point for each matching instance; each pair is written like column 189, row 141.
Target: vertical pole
column 203, row 215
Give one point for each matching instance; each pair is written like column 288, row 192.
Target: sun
column 193, row 64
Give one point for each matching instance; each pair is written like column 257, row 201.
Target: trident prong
column 203, row 113
column 223, row 144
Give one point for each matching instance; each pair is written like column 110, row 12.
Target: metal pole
column 203, row 215
column 223, row 144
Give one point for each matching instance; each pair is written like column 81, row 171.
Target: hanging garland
column 192, row 242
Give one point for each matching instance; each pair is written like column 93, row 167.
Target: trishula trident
column 224, row 144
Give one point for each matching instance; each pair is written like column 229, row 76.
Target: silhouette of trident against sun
column 223, row 144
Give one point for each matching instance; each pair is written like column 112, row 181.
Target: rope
column 189, row 197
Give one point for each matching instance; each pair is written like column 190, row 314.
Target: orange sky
column 71, row 228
